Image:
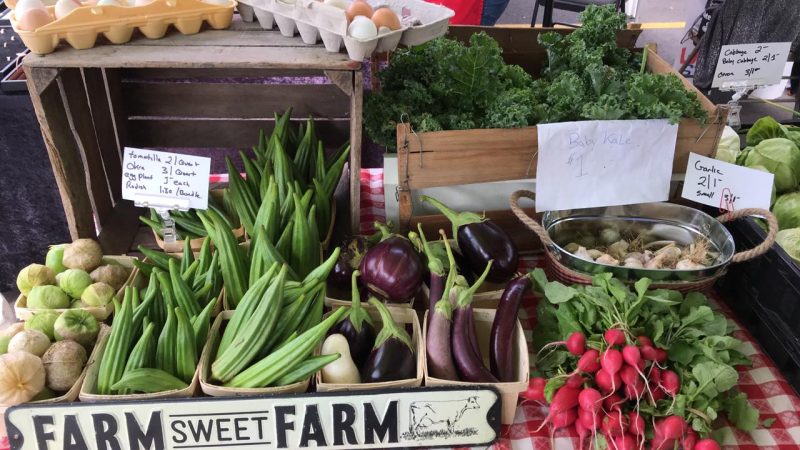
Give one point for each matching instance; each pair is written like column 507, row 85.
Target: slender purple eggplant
column 468, row 362
column 481, row 240
column 439, row 350
column 356, row 326
column 392, row 269
column 464, row 284
column 501, row 358
column 392, row 358
column 437, row 269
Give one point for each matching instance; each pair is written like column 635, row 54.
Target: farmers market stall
column 612, row 308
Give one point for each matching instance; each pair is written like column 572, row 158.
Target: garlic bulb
column 22, row 376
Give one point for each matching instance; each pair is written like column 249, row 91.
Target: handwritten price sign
column 166, row 177
column 602, row 163
column 746, row 65
column 726, row 186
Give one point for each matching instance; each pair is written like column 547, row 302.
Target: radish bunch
column 612, row 380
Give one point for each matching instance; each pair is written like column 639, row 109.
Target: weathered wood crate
column 448, row 158
column 211, row 91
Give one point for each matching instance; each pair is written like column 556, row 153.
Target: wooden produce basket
column 334, row 302
column 510, row 391
column 402, row 316
column 100, row 313
column 207, row 358
column 487, row 296
column 72, row 394
column 486, row 155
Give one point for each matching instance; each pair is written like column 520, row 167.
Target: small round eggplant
column 352, row 250
column 356, row 326
column 392, row 358
column 392, row 270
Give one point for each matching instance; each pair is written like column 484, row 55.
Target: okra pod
column 306, row 368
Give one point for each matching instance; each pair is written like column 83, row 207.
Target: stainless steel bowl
column 661, row 221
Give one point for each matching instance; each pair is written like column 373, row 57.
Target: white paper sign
column 387, row 418
column 745, row 65
column 726, row 186
column 604, row 163
column 169, row 177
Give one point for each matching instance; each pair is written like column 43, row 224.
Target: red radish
column 612, row 402
column 670, row 382
column 565, row 399
column 661, row 355
column 671, row 427
column 654, row 375
column 637, row 423
column 576, row 343
column 644, row 341
column 689, row 440
column 706, row 444
column 657, row 391
column 614, row 336
column 575, row 380
column 535, row 390
column 590, row 400
column 564, row 418
column 606, row 382
column 613, row 424
column 589, row 362
column 588, row 419
column 611, row 361
column 583, row 432
column 629, row 374
column 635, row 390
column 625, row 442
column 648, row 353
column 632, row 355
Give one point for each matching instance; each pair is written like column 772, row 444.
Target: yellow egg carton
column 81, row 27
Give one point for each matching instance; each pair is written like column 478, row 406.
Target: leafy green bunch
column 697, row 339
column 445, row 85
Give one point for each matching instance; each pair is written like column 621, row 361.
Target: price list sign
column 165, row 179
column 726, row 186
column 747, row 65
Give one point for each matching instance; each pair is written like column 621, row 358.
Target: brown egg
column 33, row 19
column 358, row 8
column 385, row 17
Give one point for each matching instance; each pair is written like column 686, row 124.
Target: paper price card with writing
column 604, row 163
column 171, row 178
column 746, row 65
column 726, row 186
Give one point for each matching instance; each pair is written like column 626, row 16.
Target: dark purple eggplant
column 437, row 269
column 392, row 358
column 356, row 326
column 392, row 270
column 501, row 358
column 463, row 267
column 438, row 335
column 468, row 362
column 352, row 251
column 480, row 241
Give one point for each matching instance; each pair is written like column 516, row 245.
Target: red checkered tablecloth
column 764, row 384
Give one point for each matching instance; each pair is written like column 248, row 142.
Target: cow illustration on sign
column 440, row 418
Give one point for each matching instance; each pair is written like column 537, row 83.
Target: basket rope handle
column 772, row 231
column 526, row 219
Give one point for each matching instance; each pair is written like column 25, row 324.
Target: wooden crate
column 212, row 91
column 447, row 158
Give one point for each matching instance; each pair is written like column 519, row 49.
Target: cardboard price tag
column 169, row 180
column 591, row 164
column 747, row 65
column 726, row 186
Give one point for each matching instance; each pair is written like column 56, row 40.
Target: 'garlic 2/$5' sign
column 399, row 418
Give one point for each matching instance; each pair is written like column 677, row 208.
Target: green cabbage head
column 789, row 239
column 787, row 210
column 781, row 157
column 729, row 146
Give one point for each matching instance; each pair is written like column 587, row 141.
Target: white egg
column 109, row 3
column 64, row 7
column 24, row 5
column 341, row 4
column 362, row 28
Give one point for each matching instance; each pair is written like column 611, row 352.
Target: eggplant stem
column 443, row 306
column 390, row 328
column 465, row 296
column 458, row 219
column 383, row 230
column 357, row 313
column 434, row 264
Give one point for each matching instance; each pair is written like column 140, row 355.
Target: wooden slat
column 524, row 239
column 229, row 100
column 219, row 133
column 356, row 104
column 103, row 121
column 217, row 73
column 119, row 112
column 120, row 229
column 63, row 152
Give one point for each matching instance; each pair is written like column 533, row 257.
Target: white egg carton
column 315, row 20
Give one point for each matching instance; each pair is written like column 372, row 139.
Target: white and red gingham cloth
column 766, row 387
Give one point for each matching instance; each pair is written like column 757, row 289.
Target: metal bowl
column 659, row 221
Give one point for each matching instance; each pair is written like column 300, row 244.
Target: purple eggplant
column 352, row 251
column 438, row 335
column 392, row 358
column 481, row 240
column 356, row 326
column 468, row 361
column 501, row 358
column 437, row 269
column 392, row 270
